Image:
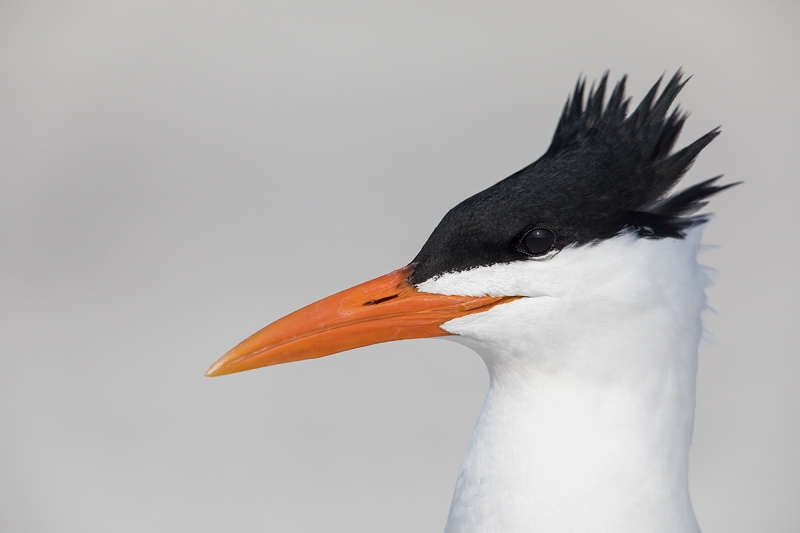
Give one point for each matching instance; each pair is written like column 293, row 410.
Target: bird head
column 534, row 248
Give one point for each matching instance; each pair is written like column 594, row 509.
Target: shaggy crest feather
column 605, row 172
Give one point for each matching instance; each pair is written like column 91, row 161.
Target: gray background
column 176, row 175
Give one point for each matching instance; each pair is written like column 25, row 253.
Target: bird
column 576, row 280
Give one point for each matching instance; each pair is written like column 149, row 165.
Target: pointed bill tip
column 214, row 370
column 219, row 368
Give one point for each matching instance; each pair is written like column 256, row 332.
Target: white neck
column 588, row 419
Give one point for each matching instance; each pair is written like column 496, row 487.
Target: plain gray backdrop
column 175, row 175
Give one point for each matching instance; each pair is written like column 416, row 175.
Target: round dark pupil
column 539, row 241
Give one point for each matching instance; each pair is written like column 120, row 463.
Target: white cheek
column 624, row 262
column 520, row 316
column 612, row 293
column 521, row 278
column 509, row 331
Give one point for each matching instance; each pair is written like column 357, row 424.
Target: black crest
column 605, row 172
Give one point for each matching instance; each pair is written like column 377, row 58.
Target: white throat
column 588, row 420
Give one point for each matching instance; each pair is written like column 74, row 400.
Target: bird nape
column 576, row 280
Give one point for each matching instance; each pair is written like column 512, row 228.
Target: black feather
column 604, row 172
column 690, row 200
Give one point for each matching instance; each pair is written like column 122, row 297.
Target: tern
column 576, row 280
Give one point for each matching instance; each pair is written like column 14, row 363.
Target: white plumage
column 589, row 415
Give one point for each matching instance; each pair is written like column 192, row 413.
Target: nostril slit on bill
column 381, row 300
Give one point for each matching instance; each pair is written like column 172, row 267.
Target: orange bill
column 385, row 309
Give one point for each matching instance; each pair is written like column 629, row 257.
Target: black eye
column 538, row 241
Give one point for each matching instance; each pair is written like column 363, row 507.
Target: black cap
column 605, row 172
